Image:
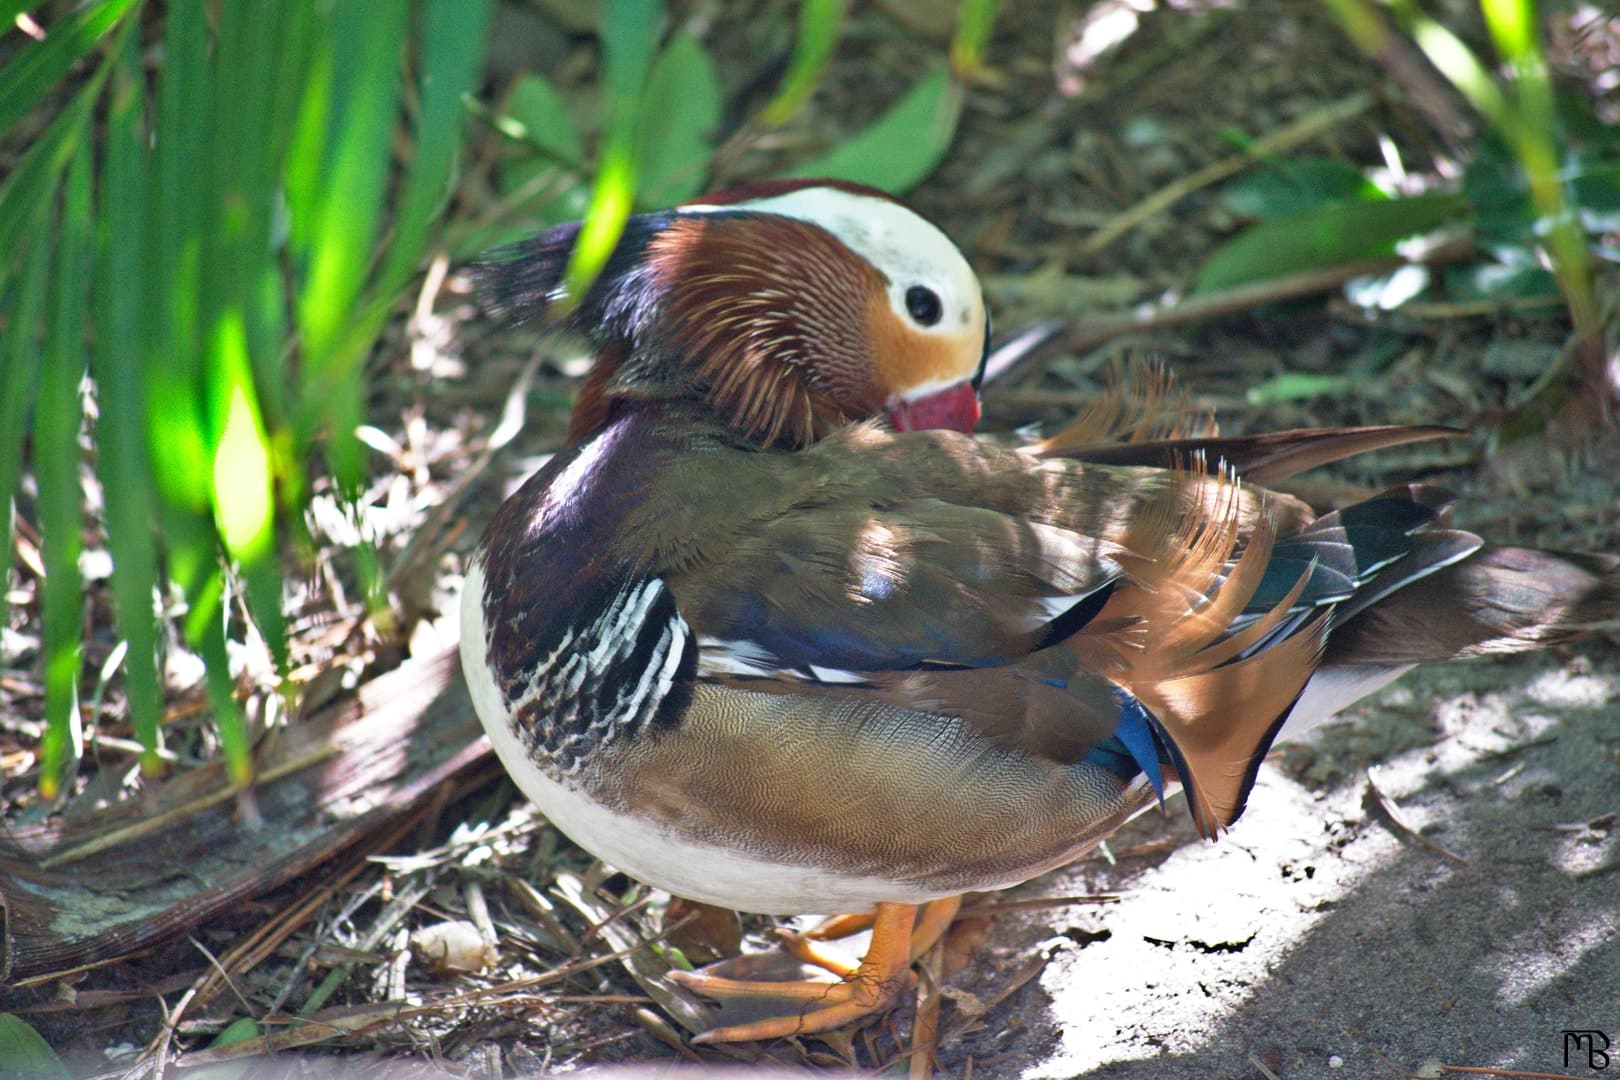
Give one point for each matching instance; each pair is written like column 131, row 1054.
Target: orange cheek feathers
column 905, row 357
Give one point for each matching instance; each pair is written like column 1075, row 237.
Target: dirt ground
column 1434, row 882
column 1315, row 941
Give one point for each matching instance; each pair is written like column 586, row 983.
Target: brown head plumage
column 787, row 310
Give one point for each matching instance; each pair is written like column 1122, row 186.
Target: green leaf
column 553, row 179
column 1512, row 24
column 1333, row 235
column 903, row 146
column 820, row 22
column 24, row 1050
column 1298, row 386
column 1594, row 191
column 674, row 144
column 536, row 114
column 26, row 193
column 1496, row 186
column 241, row 1029
column 259, row 50
column 243, row 488
column 39, row 66
column 1294, row 187
column 178, row 227
column 1518, row 279
column 206, row 629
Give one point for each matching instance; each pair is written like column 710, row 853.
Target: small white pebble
column 1335, row 1061
column 450, row 947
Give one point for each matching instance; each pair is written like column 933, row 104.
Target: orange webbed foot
column 807, row 1006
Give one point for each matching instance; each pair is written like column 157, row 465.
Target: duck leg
column 810, row 1006
column 933, row 919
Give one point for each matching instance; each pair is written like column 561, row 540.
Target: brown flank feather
column 1175, row 653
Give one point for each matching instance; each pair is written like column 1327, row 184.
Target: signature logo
column 1593, row 1045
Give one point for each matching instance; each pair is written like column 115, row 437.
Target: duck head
column 787, row 308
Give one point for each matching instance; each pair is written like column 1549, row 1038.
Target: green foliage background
column 199, row 251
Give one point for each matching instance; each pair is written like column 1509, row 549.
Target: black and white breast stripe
column 621, row 669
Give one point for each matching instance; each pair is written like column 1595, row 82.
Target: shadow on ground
column 1313, row 941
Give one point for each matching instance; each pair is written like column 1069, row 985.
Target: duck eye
column 924, row 305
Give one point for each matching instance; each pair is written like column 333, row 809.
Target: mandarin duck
column 776, row 632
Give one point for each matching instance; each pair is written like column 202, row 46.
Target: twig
column 1095, row 331
column 995, row 907
column 1399, row 825
column 1033, row 967
column 346, row 1020
column 1157, row 203
column 1260, row 1066
column 1514, row 1074
column 163, row 822
column 925, row 1028
column 644, row 965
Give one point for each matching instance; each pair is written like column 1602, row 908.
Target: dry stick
column 159, row 822
column 995, row 907
column 343, row 1020
column 1157, row 203
column 1093, row 332
column 645, row 967
column 252, row 950
column 925, row 1028
column 1511, row 1074
column 1400, row 826
column 1260, row 1067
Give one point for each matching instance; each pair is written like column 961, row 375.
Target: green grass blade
column 122, row 460
column 206, row 627
column 252, row 62
column 973, row 29
column 243, row 496
column 1512, row 25
column 820, row 23
column 346, row 210
column 1526, row 118
column 244, row 485
column 19, row 372
column 452, row 35
column 27, row 193
column 39, row 66
column 177, row 228
column 10, row 9
column 629, row 32
column 244, row 340
column 59, row 415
